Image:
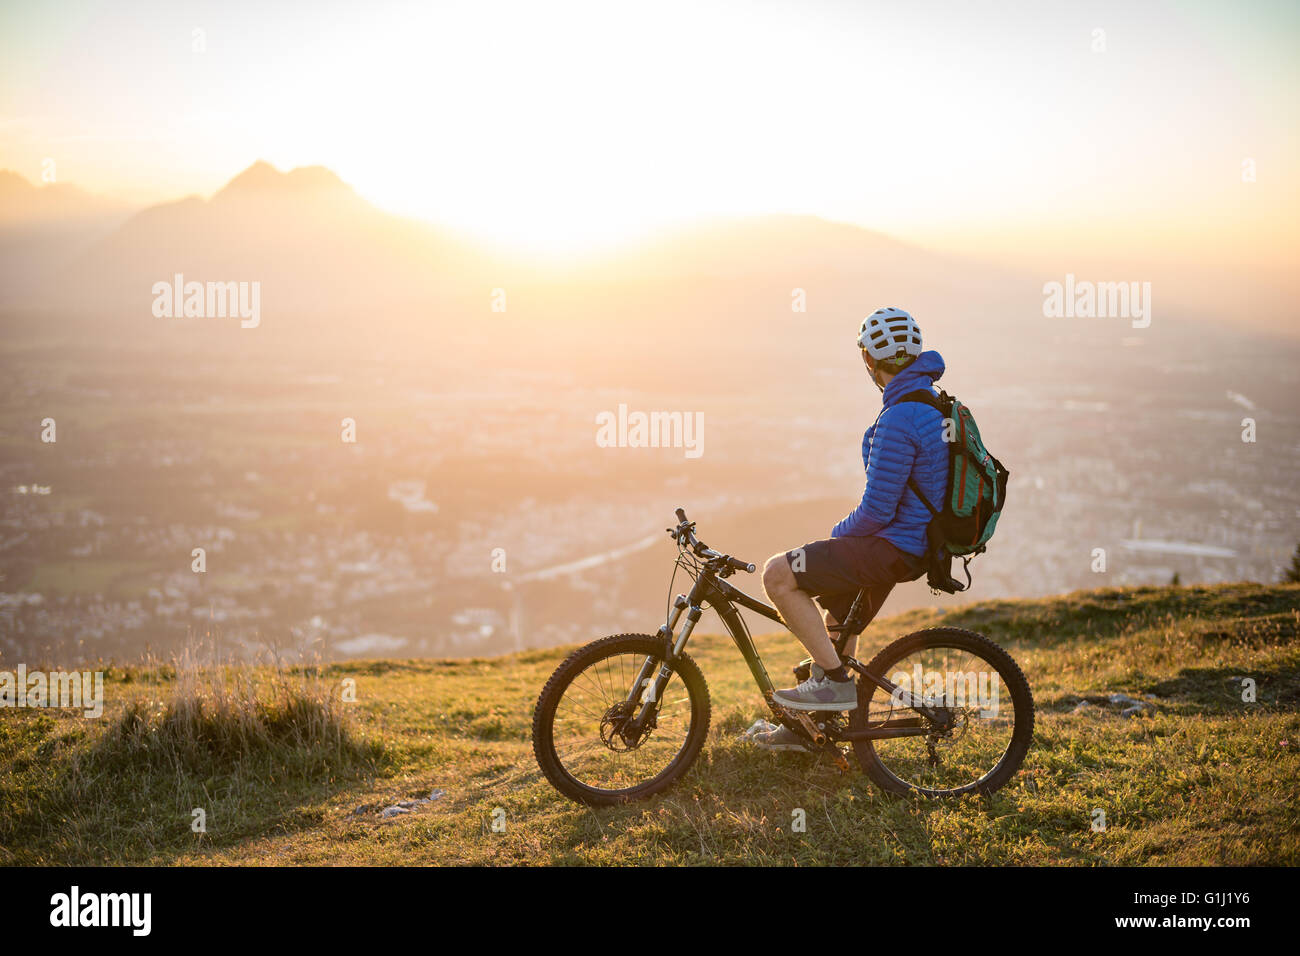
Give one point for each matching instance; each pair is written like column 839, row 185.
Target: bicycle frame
column 723, row 597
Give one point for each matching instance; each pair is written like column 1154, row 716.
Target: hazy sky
column 991, row 126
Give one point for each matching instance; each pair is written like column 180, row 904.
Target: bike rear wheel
column 978, row 690
column 583, row 710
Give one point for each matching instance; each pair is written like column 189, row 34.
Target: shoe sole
column 831, row 705
column 783, row 747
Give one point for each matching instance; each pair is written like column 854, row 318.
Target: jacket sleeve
column 889, row 450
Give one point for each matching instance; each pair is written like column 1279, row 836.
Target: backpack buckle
column 940, row 577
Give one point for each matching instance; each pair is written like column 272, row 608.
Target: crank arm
column 816, row 735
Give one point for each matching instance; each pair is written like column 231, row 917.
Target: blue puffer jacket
column 907, row 439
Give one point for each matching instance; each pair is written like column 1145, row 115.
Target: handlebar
column 685, row 532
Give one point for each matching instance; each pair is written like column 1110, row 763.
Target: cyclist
column 883, row 540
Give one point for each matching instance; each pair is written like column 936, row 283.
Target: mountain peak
column 261, row 175
column 12, row 182
column 263, row 180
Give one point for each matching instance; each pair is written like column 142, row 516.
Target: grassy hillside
column 288, row 773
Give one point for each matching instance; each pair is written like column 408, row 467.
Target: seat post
column 849, row 626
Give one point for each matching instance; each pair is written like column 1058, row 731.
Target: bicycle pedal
column 814, row 732
column 841, row 761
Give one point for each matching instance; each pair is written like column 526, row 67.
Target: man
column 883, row 540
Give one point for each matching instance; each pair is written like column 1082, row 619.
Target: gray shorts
column 833, row 570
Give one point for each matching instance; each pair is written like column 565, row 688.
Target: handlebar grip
column 740, row 565
column 681, row 514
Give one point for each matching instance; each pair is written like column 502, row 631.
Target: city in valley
column 426, row 447
column 218, row 501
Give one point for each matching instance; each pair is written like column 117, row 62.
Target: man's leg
column 850, row 643
column 830, row 686
column 798, row 611
column 873, row 598
column 835, row 569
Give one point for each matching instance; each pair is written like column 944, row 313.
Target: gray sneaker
column 783, row 738
column 823, row 694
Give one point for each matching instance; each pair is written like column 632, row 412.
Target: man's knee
column 777, row 576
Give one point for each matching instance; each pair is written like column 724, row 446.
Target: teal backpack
column 977, row 489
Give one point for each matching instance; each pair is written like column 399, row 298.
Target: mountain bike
column 941, row 711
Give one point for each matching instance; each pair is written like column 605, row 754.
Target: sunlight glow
column 577, row 124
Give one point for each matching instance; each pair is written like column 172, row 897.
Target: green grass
column 1203, row 778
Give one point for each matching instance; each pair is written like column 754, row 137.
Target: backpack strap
column 925, row 397
column 916, row 490
column 940, row 572
column 941, row 403
column 938, row 560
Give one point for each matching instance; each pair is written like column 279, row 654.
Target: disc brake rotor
column 611, row 729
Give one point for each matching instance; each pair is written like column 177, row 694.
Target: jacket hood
column 924, row 372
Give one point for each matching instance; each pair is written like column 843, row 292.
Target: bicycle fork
column 647, row 689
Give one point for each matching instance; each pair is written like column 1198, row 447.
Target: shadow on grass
column 742, row 805
column 1219, row 690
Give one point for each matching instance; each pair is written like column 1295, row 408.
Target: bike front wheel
column 580, row 726
column 976, row 714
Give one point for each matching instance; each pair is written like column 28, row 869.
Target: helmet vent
column 889, row 333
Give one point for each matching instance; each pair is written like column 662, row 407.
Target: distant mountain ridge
column 329, row 261
column 305, row 235
column 317, row 247
column 43, row 228
column 261, row 179
column 25, row 203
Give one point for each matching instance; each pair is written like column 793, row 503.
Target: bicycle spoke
column 981, row 730
column 590, row 751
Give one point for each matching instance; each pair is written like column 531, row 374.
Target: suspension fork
column 634, row 693
column 647, row 689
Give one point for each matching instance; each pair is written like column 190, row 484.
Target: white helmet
column 890, row 334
